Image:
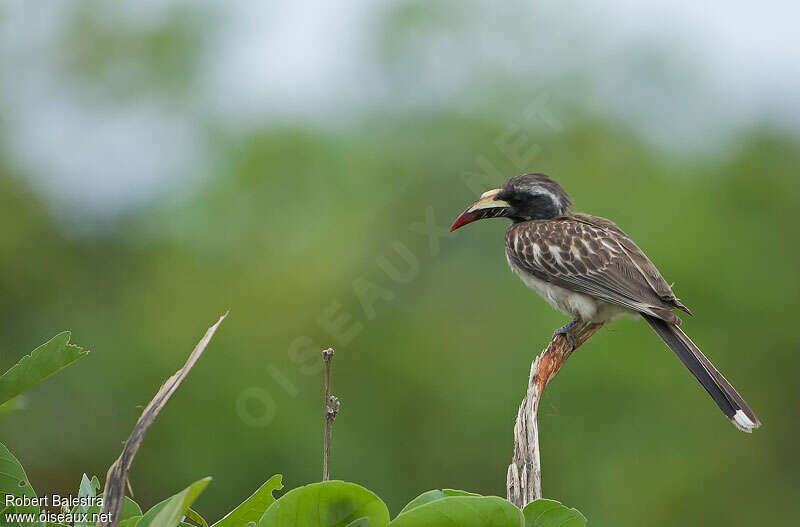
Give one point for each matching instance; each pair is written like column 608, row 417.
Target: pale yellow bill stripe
column 488, row 201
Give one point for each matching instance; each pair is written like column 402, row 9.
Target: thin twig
column 117, row 476
column 331, row 411
column 524, row 479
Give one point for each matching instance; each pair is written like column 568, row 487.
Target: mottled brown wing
column 593, row 256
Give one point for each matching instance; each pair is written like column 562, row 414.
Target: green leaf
column 130, row 522
column 326, row 504
column 13, row 405
column 6, row 520
column 550, row 513
column 462, row 511
column 150, row 515
column 433, row 495
column 251, row 509
column 171, row 511
column 86, row 490
column 14, row 482
column 49, row 358
column 193, row 515
column 130, row 509
column 89, row 489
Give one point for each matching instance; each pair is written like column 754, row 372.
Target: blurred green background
column 149, row 182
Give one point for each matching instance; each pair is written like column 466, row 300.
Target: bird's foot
column 569, row 331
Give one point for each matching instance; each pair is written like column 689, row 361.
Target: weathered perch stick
column 524, row 481
column 117, row 477
column 331, row 411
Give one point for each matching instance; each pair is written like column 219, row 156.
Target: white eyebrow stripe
column 552, row 196
column 543, row 191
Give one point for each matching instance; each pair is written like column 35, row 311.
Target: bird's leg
column 569, row 330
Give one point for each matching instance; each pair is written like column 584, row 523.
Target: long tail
column 726, row 397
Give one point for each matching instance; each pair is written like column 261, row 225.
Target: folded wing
column 593, row 256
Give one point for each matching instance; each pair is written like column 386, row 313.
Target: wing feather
column 593, row 256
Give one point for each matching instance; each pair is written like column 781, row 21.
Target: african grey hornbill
column 589, row 269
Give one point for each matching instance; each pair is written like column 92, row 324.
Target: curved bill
column 487, row 206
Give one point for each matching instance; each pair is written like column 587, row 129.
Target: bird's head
column 522, row 198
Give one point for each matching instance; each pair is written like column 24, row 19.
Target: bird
column 589, row 269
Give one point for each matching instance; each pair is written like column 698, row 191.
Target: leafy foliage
column 194, row 516
column 546, row 513
column 130, row 509
column 326, row 504
column 253, row 507
column 340, row 504
column 87, row 489
column 433, row 495
column 169, row 512
column 46, row 360
column 13, row 482
column 329, row 504
column 462, row 511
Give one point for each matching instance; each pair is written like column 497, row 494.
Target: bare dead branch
column 117, row 476
column 331, row 411
column 524, row 479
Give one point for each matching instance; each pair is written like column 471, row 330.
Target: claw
column 568, row 330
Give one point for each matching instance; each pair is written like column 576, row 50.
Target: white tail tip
column 743, row 423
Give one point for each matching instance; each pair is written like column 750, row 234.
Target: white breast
column 571, row 303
